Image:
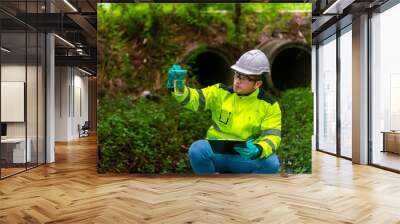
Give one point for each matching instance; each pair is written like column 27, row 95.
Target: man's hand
column 248, row 149
column 174, row 73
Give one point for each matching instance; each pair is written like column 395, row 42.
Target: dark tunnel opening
column 210, row 68
column 291, row 68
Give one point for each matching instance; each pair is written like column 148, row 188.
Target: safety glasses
column 244, row 77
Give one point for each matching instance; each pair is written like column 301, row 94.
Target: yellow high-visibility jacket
column 255, row 116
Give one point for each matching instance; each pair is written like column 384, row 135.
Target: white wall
column 80, row 109
column 34, row 125
column 14, row 72
column 62, row 81
column 71, row 94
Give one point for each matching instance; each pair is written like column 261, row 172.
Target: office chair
column 84, row 130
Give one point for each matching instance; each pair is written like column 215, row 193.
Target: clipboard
column 225, row 146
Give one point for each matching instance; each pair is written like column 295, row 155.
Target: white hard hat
column 253, row 62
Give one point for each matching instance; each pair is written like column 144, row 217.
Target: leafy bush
column 145, row 136
column 297, row 129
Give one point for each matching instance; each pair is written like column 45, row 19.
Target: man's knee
column 271, row 165
column 199, row 149
column 275, row 166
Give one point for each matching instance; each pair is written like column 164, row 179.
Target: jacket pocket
column 224, row 116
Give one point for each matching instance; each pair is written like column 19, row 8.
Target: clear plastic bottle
column 179, row 87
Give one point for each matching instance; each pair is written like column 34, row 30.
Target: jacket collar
column 253, row 94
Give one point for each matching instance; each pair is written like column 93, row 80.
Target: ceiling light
column 84, row 71
column 5, row 49
column 70, row 5
column 80, row 51
column 65, row 41
column 337, row 7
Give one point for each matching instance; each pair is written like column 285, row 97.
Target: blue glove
column 174, row 73
column 248, row 149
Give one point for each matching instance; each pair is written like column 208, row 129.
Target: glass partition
column 327, row 95
column 22, row 64
column 14, row 149
column 346, row 92
column 32, row 95
column 385, row 89
column 41, row 86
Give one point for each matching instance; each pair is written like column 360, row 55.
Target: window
column 346, row 92
column 385, row 88
column 327, row 95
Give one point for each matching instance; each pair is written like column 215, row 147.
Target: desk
column 391, row 141
column 15, row 148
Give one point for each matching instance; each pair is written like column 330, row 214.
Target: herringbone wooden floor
column 70, row 191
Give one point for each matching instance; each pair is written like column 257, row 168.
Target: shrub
column 144, row 136
column 297, row 129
